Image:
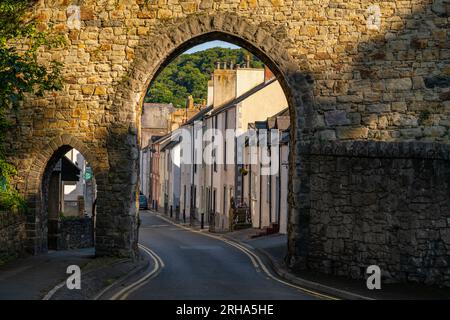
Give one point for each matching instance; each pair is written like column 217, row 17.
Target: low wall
column 374, row 203
column 75, row 234
column 12, row 236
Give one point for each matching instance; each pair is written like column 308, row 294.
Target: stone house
column 155, row 121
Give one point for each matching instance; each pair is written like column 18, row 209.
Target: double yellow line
column 158, row 264
column 255, row 259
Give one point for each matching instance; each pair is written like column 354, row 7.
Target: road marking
column 156, row 226
column 158, row 265
column 200, row 247
column 255, row 259
column 51, row 293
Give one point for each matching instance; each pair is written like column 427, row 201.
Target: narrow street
column 200, row 267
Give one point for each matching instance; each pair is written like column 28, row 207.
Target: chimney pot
column 190, row 102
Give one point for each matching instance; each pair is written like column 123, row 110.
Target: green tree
column 188, row 75
column 21, row 73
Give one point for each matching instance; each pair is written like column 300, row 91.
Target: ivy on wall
column 21, row 73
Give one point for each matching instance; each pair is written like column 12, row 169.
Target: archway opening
column 69, row 193
column 218, row 82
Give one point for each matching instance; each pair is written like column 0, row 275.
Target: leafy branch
column 21, row 73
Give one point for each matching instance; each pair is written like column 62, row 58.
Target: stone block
column 352, row 133
column 336, row 118
column 401, row 84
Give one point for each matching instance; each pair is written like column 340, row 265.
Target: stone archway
column 154, row 53
column 377, row 108
column 44, row 161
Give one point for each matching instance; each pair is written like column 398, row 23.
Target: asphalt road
column 200, row 267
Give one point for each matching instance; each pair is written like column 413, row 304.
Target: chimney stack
column 190, row 103
column 217, row 65
column 247, row 61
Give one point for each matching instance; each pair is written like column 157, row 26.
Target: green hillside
column 188, row 75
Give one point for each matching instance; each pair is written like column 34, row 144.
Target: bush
column 11, row 200
column 21, row 73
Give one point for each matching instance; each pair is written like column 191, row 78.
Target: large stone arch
column 173, row 38
column 44, row 160
column 380, row 97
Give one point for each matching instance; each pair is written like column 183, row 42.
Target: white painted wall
column 247, row 79
column 261, row 105
column 210, row 94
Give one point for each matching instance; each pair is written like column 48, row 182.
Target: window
column 184, row 197
column 208, row 200
column 168, row 162
column 214, row 200
column 225, row 200
column 194, row 201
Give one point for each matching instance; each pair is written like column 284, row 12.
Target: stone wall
column 12, row 236
column 75, row 234
column 343, row 78
column 386, row 204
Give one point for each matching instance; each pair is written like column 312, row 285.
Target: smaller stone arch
column 47, row 158
column 48, row 151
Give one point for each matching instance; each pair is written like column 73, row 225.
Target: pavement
column 273, row 248
column 43, row 276
column 102, row 276
column 31, row 278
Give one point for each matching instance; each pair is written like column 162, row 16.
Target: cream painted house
column 199, row 188
column 240, row 96
column 267, row 194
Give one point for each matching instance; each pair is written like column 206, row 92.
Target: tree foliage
column 21, row 73
column 188, row 74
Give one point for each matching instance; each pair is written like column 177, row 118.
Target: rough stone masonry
column 352, row 71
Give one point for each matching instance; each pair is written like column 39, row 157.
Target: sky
column 211, row 44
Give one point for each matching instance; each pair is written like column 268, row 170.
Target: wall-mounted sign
column 88, row 174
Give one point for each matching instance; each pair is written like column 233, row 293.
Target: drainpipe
column 250, row 190
column 279, row 184
column 192, row 206
column 211, row 192
column 260, row 196
column 270, row 188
